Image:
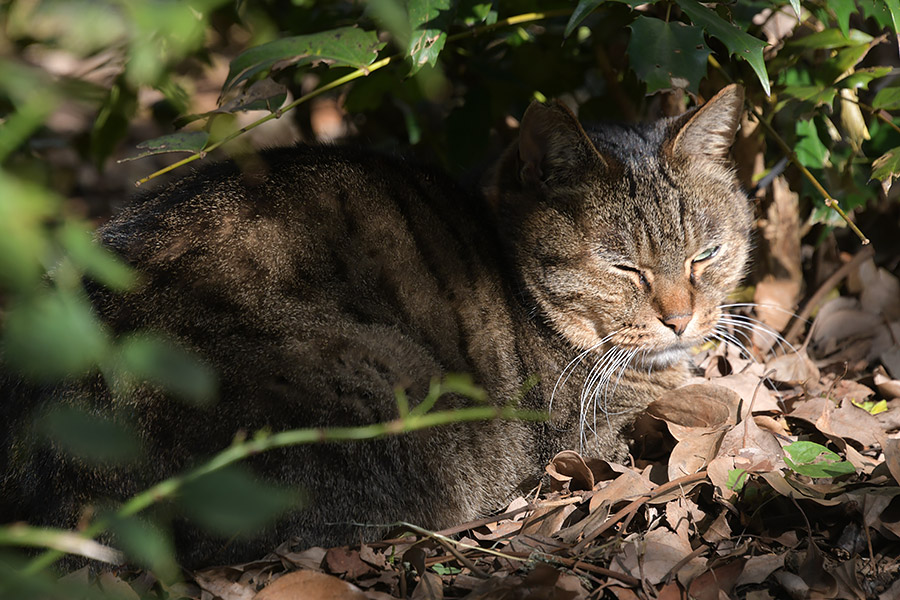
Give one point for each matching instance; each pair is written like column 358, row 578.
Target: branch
column 792, row 156
column 264, row 443
column 474, row 32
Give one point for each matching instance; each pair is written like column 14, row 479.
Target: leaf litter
column 769, row 476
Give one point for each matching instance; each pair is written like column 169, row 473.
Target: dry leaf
column 343, row 561
column 430, row 587
column 758, row 568
column 887, row 387
column 654, row 555
column 309, row 585
column 568, row 470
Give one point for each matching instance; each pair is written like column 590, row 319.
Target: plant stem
column 474, row 32
column 238, row 452
column 792, row 156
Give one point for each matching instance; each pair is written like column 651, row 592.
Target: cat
column 321, row 280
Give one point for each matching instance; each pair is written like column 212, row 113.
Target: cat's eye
column 706, row 254
column 635, row 271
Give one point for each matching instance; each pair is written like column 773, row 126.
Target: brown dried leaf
column 880, row 291
column 758, row 568
column 703, row 405
column 887, row 387
column 309, row 585
column 219, row 581
column 626, row 486
column 568, row 470
column 753, row 392
column 430, row 587
column 694, row 452
column 655, row 555
column 795, row 368
column 310, row 559
column 891, row 448
column 344, row 561
column 716, row 583
column 775, row 300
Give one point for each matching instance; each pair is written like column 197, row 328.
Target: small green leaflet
column 842, row 10
column 428, row 24
column 738, row 42
column 815, row 460
column 886, row 167
column 894, row 7
column 185, row 141
column 811, row 152
column 887, row 98
column 679, row 54
column 342, row 47
column 586, row 7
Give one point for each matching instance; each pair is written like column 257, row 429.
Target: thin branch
column 362, row 72
column 238, row 452
column 830, row 202
column 60, row 540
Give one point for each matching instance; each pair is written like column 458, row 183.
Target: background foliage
column 84, row 84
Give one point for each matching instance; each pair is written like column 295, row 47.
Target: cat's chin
column 665, row 357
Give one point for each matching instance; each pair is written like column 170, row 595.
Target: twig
column 361, row 72
column 293, row 437
column 793, row 332
column 20, row 534
column 830, row 202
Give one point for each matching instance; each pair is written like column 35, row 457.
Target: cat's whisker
column 749, row 324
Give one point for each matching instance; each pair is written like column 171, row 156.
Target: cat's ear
column 552, row 143
column 709, row 131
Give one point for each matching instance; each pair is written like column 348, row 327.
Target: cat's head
column 627, row 235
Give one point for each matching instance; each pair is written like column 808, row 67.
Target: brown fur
column 318, row 286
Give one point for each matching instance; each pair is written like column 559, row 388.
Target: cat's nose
column 677, row 323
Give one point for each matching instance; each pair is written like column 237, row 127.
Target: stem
column 238, row 452
column 474, row 32
column 792, row 156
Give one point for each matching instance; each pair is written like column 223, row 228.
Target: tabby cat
column 324, row 278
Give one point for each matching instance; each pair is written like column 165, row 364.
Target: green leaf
column 887, row 98
column 736, row 479
column 815, row 460
column 94, row 259
column 113, row 120
column 231, row 502
column 164, row 363
column 894, row 7
column 24, row 243
column 586, row 7
column 678, row 59
column 342, row 47
column 428, row 24
column 831, row 39
column 185, row 141
column 738, row 42
column 149, row 545
column 811, row 152
column 842, row 10
column 89, row 436
column 54, row 334
column 861, row 78
column 886, row 167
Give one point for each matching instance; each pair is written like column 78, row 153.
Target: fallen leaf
column 758, row 568
column 568, row 470
column 309, row 585
column 654, row 555
column 343, row 561
column 889, row 388
column 430, row 587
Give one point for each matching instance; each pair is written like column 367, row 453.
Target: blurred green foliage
column 821, row 73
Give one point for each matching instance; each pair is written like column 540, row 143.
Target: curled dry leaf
column 704, row 405
column 626, row 486
column 568, row 470
column 694, row 452
column 758, row 568
column 309, row 585
column 889, row 388
column 794, row 369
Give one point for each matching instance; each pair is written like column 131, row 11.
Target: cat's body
column 318, row 284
